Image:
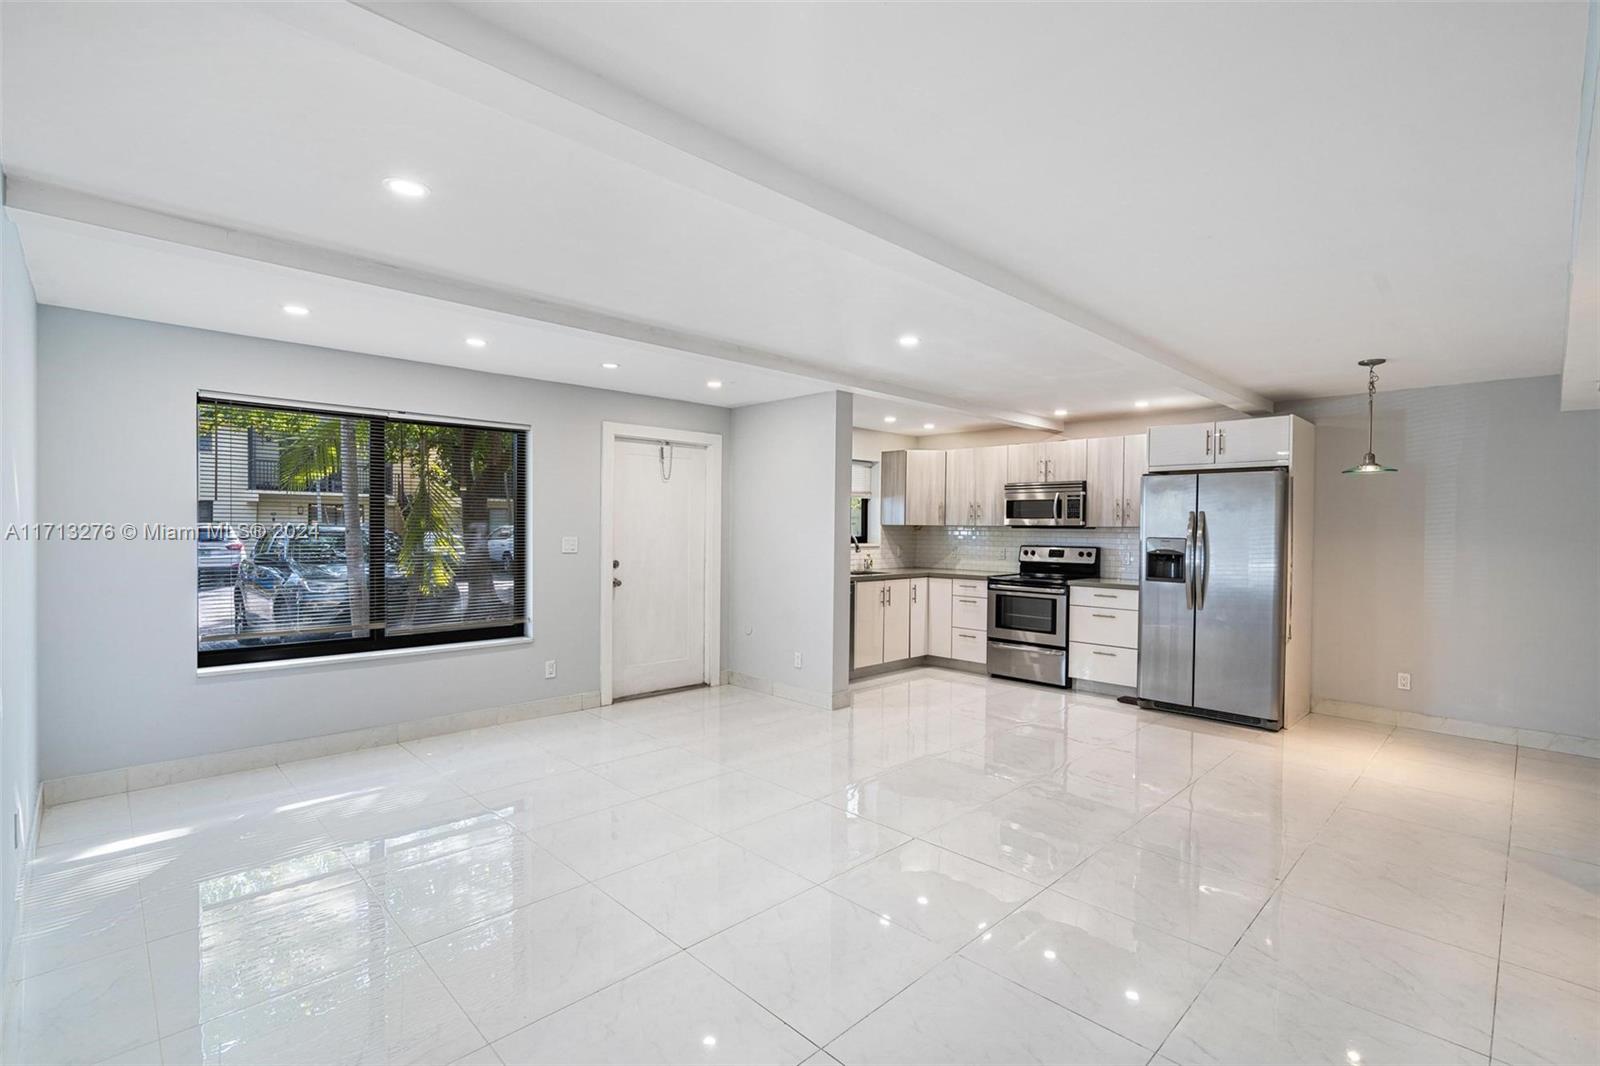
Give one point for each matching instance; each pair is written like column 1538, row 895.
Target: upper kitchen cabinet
column 1135, row 463
column 1050, row 460
column 1104, row 504
column 1242, row 442
column 913, row 487
column 975, row 486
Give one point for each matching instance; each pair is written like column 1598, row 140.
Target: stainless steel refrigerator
column 1212, row 594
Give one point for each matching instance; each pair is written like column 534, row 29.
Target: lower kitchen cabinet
column 896, row 620
column 969, row 645
column 939, row 617
column 919, row 616
column 1107, row 666
column 1104, row 627
column 882, row 614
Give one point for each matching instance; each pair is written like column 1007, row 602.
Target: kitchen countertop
column 1105, row 583
column 890, row 572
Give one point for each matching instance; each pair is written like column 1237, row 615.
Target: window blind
column 336, row 531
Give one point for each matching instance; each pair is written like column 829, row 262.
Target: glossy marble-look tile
column 351, row 771
column 817, row 841
column 486, row 759
column 83, row 1013
column 1255, row 1011
column 819, row 962
column 1033, row 832
column 1294, row 799
column 1423, row 983
column 1488, row 820
column 501, row 871
column 1552, row 917
column 1203, row 907
column 1460, row 753
column 728, row 801
column 1440, row 777
column 100, row 914
column 920, row 795
column 676, row 1011
column 658, row 771
column 962, row 1014
column 1402, row 892
column 535, row 804
column 210, row 801
column 1558, row 770
column 1559, row 821
column 1024, row 752
column 1541, row 1019
column 256, row 946
column 515, row 969
column 1130, row 978
column 819, row 772
column 702, row 889
column 941, row 895
column 617, row 837
column 391, row 1009
column 1250, row 851
column 91, row 821
column 484, row 1056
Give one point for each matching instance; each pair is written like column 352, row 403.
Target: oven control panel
column 1050, row 553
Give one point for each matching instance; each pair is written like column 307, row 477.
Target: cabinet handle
column 1097, row 614
column 1105, row 595
column 1222, row 440
column 890, row 590
column 913, row 594
column 1107, row 654
column 1039, row 466
column 1208, row 442
column 967, row 636
column 880, row 595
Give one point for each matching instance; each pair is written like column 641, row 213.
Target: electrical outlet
column 569, row 545
column 549, row 668
column 1403, row 682
column 799, row 661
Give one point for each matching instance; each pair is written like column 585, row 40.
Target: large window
column 333, row 532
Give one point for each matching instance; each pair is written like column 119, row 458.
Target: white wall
column 117, row 681
column 789, row 493
column 868, row 445
column 1476, row 568
column 19, row 753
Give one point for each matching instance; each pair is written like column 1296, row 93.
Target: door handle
column 1058, row 507
column 1188, row 564
column 1202, row 542
column 616, row 582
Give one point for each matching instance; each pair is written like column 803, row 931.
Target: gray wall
column 1476, row 568
column 19, row 749
column 117, row 682
column 789, row 494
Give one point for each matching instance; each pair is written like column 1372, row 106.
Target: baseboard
column 1460, row 727
column 867, row 673
column 152, row 775
column 828, row 701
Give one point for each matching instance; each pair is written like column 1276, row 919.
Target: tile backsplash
column 995, row 549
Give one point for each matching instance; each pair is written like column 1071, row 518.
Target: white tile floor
column 954, row 870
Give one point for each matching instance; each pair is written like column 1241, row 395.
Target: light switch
column 569, row 545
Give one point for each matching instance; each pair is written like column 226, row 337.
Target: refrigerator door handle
column 1188, row 564
column 1204, row 552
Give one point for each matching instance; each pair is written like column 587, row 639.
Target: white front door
column 658, row 592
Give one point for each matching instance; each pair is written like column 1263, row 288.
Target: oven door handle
column 1059, row 513
column 1040, row 594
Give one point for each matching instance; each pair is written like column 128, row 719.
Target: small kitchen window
column 861, row 502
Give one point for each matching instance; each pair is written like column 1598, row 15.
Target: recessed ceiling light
column 713, row 384
column 888, row 418
column 1061, row 412
column 297, row 310
column 909, row 340
column 927, row 425
column 406, row 188
column 476, row 342
column 1141, row 404
column 608, row 366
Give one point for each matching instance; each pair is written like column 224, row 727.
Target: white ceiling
column 1072, row 205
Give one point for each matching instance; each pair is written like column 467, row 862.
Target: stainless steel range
column 1028, row 612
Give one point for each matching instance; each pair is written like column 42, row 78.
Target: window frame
column 379, row 640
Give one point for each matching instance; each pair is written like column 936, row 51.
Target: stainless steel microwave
column 1046, row 503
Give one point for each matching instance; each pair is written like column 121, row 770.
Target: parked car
column 219, row 551
column 502, row 546
column 297, row 578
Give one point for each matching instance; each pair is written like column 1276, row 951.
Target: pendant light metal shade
column 1369, row 463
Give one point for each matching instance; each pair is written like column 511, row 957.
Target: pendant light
column 1369, row 464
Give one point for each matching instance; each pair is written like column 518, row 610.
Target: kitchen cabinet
column 1104, row 505
column 1104, row 628
column 1135, row 464
column 939, row 617
column 896, row 620
column 866, row 647
column 1049, row 460
column 919, row 617
column 1190, row 445
column 912, row 484
column 970, row 646
column 1241, row 442
column 975, row 486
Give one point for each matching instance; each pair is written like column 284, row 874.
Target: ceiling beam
column 24, row 193
column 458, row 51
